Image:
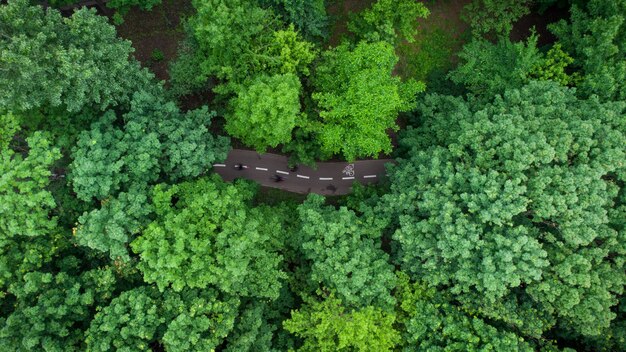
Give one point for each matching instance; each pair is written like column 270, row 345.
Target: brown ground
column 339, row 11
column 158, row 29
column 522, row 28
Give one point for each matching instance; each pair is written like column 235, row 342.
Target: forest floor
column 158, row 30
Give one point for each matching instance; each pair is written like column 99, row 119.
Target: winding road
column 330, row 178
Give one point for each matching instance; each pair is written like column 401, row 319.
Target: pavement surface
column 331, row 178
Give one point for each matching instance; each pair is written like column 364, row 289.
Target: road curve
column 331, row 178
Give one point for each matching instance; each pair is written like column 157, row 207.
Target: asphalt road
column 331, row 178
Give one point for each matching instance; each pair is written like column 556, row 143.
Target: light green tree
column 328, row 326
column 359, row 99
column 389, row 20
column 205, row 233
column 264, row 113
column 29, row 235
column 238, row 40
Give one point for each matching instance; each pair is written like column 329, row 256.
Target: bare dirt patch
column 157, row 30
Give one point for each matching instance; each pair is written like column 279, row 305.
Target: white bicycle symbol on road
column 349, row 170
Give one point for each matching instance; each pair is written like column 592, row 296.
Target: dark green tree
column 309, row 16
column 115, row 165
column 345, row 255
column 431, row 323
column 47, row 61
column 595, row 37
column 52, row 311
column 508, row 205
column 487, row 69
column 138, row 319
column 489, row 18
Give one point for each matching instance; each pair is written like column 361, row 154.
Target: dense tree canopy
column 328, row 326
column 206, row 234
column 500, row 225
column 116, row 165
column 389, row 20
column 494, row 17
column 344, row 255
column 47, row 61
column 509, row 204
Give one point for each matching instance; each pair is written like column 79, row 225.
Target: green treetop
column 508, row 205
column 47, row 61
column 359, row 99
column 205, row 233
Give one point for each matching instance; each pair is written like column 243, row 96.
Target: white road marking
column 369, row 176
column 219, row 165
column 326, row 178
column 302, row 176
column 282, row 172
column 348, row 178
column 245, row 167
column 261, row 168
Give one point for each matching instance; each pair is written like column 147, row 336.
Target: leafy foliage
column 28, row 234
column 494, row 17
column 344, row 255
column 554, row 67
column 432, row 323
column 265, row 113
column 155, row 142
column 46, row 61
column 206, row 234
column 488, row 69
column 238, row 39
column 389, row 20
column 309, row 16
column 192, row 320
column 594, row 36
column 329, row 326
column 507, row 205
column 359, row 99
column 52, row 308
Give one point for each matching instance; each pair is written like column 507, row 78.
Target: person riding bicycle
column 239, row 166
column 277, row 178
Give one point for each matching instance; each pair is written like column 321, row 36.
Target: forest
column 500, row 224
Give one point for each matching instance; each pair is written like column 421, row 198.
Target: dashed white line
column 326, row 178
column 261, row 168
column 282, row 172
column 219, row 165
column 348, row 178
column 369, row 176
column 302, row 176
